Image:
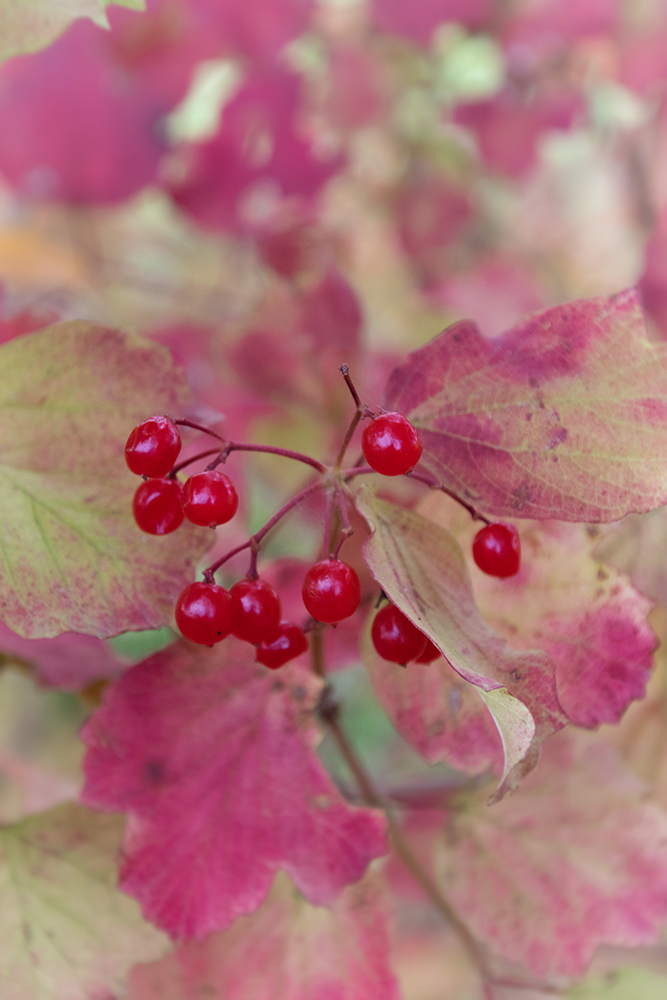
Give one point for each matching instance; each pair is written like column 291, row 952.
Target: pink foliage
column 509, row 127
column 261, row 147
column 576, row 858
column 419, row 19
column 213, row 758
column 286, row 949
column 70, row 661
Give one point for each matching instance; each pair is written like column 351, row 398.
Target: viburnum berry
column 331, row 591
column 204, row 613
column 430, row 654
column 256, row 611
column 395, row 637
column 157, row 506
column 153, row 447
column 289, row 643
column 209, row 498
column 497, row 550
column 391, row 445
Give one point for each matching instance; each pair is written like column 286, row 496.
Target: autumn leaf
column 287, row 949
column 66, row 930
column 28, row 25
column 576, row 857
column 565, row 416
column 71, row 557
column 421, row 568
column 213, row 757
column 585, row 616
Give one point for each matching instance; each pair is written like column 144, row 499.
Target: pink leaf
column 287, row 949
column 422, row 570
column 70, row 661
column 575, row 858
column 213, row 758
column 564, row 417
column 259, row 146
column 584, row 616
column 418, row 20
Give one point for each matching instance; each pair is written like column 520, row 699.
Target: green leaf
column 71, row 557
column 421, row 568
column 626, row 984
column 66, row 930
column 29, row 25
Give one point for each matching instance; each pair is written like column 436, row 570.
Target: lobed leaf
column 421, row 568
column 564, row 416
column 575, row 858
column 71, row 557
column 585, row 616
column 287, row 949
column 66, row 929
column 214, row 759
column 28, row 25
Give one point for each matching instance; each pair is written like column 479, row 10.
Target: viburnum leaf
column 564, row 416
column 576, row 857
column 213, row 757
column 638, row 546
column 66, row 930
column 71, row 556
column 585, row 616
column 287, row 949
column 442, row 716
column 70, row 661
column 421, row 568
column 28, row 25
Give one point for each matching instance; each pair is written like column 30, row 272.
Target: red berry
column 287, row 645
column 256, row 611
column 395, row 637
column 497, row 550
column 391, row 444
column 204, row 613
column 157, row 506
column 209, row 498
column 430, row 654
column 153, row 447
column 331, row 591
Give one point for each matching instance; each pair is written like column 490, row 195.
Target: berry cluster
column 207, row 613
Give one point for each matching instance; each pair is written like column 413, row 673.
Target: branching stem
column 267, row 449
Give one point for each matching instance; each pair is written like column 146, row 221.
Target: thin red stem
column 231, row 446
column 350, row 384
column 189, row 461
column 256, row 539
column 420, row 477
column 347, row 529
column 198, row 427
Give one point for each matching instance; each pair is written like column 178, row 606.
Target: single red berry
column 157, row 506
column 331, row 591
column 287, row 645
column 204, row 613
column 497, row 550
column 153, row 447
column 430, row 654
column 391, row 444
column 256, row 611
column 395, row 637
column 209, row 498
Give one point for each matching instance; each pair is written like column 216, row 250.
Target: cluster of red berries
column 251, row 610
column 161, row 502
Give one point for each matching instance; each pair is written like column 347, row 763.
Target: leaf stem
column 255, row 540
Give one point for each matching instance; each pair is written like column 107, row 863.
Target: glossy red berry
column 157, row 506
column 331, row 591
column 395, row 637
column 153, row 447
column 256, row 611
column 430, row 654
column 209, row 498
column 391, row 444
column 204, row 613
column 497, row 550
column 287, row 645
